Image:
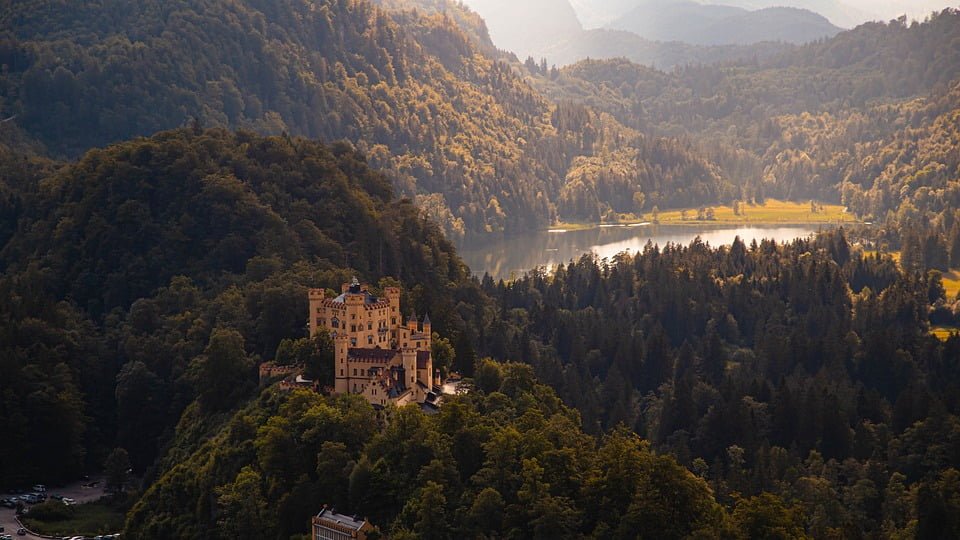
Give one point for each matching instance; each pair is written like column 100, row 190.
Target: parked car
column 5, row 537
column 56, row 496
column 21, row 532
column 68, row 501
column 30, row 498
column 40, row 488
column 9, row 503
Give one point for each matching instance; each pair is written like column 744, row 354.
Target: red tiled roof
column 379, row 356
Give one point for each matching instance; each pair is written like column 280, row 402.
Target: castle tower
column 341, row 345
column 409, row 358
column 317, row 310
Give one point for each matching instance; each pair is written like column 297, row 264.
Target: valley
column 682, row 289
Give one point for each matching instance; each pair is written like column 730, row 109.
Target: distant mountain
column 605, row 43
column 701, row 24
column 838, row 12
column 524, row 27
column 597, row 13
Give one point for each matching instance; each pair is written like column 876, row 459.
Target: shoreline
column 572, row 227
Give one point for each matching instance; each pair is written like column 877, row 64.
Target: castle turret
column 426, row 324
column 412, row 322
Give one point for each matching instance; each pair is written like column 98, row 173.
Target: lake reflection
column 518, row 254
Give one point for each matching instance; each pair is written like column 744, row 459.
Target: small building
column 329, row 525
column 290, row 377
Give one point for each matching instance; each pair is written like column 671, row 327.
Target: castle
column 377, row 355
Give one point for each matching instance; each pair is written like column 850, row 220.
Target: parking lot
column 80, row 491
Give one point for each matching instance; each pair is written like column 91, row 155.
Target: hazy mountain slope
column 690, row 22
column 840, row 13
column 469, row 21
column 791, row 25
column 597, row 13
column 673, row 20
column 527, row 26
column 606, row 43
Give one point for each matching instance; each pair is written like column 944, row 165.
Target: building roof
column 351, row 522
column 378, row 356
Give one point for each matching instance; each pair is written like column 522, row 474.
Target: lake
column 517, row 254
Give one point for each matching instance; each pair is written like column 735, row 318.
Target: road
column 76, row 491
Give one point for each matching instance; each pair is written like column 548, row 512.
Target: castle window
column 369, row 340
column 353, row 316
column 335, row 322
column 369, row 326
column 354, row 372
column 353, row 328
column 393, row 320
column 353, row 342
column 341, row 373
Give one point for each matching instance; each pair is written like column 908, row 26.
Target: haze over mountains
column 843, row 13
column 527, row 26
column 551, row 29
column 692, row 22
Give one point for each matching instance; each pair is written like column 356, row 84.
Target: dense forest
column 159, row 359
column 836, row 120
column 160, row 270
column 433, row 105
column 162, row 215
column 804, row 371
column 506, row 460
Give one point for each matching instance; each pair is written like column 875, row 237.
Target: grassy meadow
column 772, row 212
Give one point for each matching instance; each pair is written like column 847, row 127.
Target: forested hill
column 148, row 273
column 507, row 460
column 753, row 119
column 414, row 92
column 804, row 371
column 147, row 280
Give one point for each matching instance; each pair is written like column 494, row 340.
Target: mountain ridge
column 713, row 24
